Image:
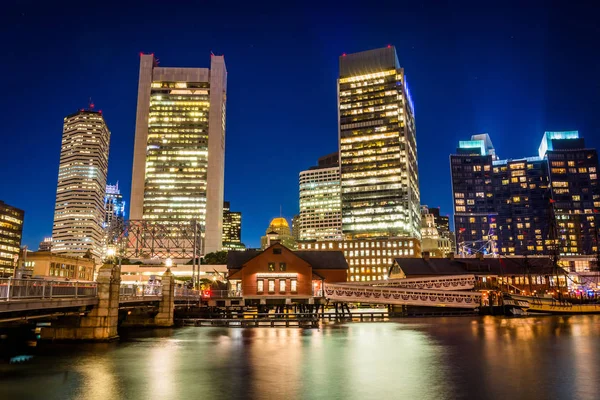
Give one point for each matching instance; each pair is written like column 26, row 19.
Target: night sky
column 498, row 67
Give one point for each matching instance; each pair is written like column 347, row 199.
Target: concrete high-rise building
column 179, row 152
column 11, row 230
column 523, row 206
column 320, row 201
column 378, row 147
column 46, row 244
column 79, row 211
column 232, row 229
column 114, row 206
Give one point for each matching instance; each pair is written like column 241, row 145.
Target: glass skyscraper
column 179, row 153
column 378, row 148
column 79, row 210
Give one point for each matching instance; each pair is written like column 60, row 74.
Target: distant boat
column 549, row 305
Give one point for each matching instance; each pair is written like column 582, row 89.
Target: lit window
column 293, row 286
column 271, row 285
column 260, row 286
column 282, row 286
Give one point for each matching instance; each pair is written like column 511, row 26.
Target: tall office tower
column 79, row 210
column 114, row 206
column 320, row 202
column 378, row 147
column 575, row 193
column 179, row 152
column 46, row 244
column 473, row 197
column 11, row 230
column 232, row 229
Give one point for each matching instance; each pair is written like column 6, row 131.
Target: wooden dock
column 285, row 320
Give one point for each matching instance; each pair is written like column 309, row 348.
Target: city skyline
column 532, row 110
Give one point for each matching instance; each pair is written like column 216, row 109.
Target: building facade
column 232, row 228
column 573, row 176
column 320, row 201
column 368, row 259
column 48, row 264
column 179, row 151
column 432, row 240
column 11, row 232
column 378, row 148
column 526, row 206
column 473, row 196
column 279, row 275
column 79, row 211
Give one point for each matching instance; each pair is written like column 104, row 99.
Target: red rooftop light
column 389, row 46
column 343, row 54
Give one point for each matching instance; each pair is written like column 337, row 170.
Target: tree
column 215, row 258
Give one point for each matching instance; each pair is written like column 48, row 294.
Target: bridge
column 17, row 295
column 447, row 291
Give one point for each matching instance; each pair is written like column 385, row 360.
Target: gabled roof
column 317, row 259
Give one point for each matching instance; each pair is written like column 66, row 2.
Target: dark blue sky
column 505, row 68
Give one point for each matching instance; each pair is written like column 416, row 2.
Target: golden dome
column 279, row 222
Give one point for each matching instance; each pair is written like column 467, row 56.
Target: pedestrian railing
column 140, row 290
column 16, row 289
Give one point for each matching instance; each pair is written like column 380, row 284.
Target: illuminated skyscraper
column 79, row 210
column 11, row 229
column 378, row 148
column 179, row 153
column 232, row 229
column 114, row 206
column 320, row 202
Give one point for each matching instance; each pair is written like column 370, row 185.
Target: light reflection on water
column 442, row 358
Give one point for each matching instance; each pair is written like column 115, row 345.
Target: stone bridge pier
column 102, row 322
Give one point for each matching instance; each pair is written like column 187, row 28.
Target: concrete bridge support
column 101, row 323
column 166, row 308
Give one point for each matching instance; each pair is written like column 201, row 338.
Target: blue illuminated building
column 520, row 206
column 114, row 206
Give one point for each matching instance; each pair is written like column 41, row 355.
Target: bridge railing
column 140, row 290
column 15, row 289
column 185, row 292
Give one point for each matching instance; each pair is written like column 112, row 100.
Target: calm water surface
column 441, row 358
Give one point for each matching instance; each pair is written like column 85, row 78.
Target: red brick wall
column 260, row 264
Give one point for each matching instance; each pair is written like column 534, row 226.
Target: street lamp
column 169, row 262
